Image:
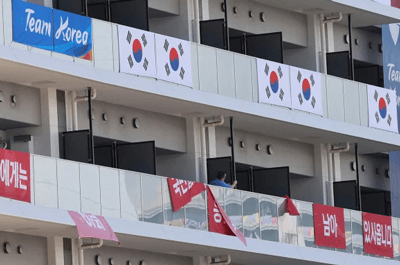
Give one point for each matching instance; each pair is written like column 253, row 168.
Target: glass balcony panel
column 131, row 195
column 269, row 218
column 305, row 224
column 348, row 233
column 170, row 217
column 152, row 200
column 396, row 238
column 287, row 224
column 218, row 194
column 196, row 213
column 251, row 215
column 233, row 207
column 357, row 229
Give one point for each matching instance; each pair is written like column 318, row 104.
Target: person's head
column 221, row 175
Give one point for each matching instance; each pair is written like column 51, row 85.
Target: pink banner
column 182, row 191
column 15, row 175
column 92, row 226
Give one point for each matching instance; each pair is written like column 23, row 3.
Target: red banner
column 378, row 237
column 15, row 175
column 329, row 226
column 219, row 221
column 182, row 191
column 92, row 226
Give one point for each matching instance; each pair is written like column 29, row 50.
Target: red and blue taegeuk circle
column 174, row 59
column 137, row 50
column 382, row 108
column 274, row 81
column 306, row 89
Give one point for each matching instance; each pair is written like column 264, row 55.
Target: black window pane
column 73, row 6
column 76, row 146
column 212, row 33
column 338, row 64
column 266, row 46
column 272, row 181
column 132, row 13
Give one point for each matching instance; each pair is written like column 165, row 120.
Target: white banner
column 174, row 60
column 306, row 90
column 273, row 83
column 136, row 52
column 382, row 108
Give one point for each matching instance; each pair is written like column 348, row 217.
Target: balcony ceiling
column 364, row 12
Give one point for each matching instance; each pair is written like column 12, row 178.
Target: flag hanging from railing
column 219, row 221
column 92, row 226
column 290, row 207
column 182, row 191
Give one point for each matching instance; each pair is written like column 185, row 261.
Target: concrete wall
column 298, row 156
column 34, row 249
column 169, row 132
column 368, row 178
column 362, row 51
column 122, row 255
column 27, row 108
column 292, row 24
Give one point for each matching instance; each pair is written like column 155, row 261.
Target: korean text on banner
column 219, row 221
column 329, row 226
column 273, row 83
column 306, row 90
column 378, row 237
column 174, row 60
column 136, row 52
column 92, row 226
column 15, row 175
column 32, row 25
column 382, row 108
column 182, row 191
column 72, row 34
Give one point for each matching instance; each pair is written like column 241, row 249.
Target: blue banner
column 391, row 60
column 52, row 29
column 33, row 25
column 391, row 70
column 72, row 34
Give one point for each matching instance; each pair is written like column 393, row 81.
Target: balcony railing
column 128, row 195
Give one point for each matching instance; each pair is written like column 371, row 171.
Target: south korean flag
column 306, row 90
column 174, row 60
column 136, row 52
column 273, row 83
column 382, row 108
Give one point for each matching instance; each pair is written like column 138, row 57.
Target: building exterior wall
column 34, row 249
column 298, row 156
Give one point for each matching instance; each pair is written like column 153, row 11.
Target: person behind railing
column 220, row 181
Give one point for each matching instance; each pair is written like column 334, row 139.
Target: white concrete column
column 337, row 175
column 330, row 38
column 193, row 148
column 211, row 143
column 321, row 168
column 49, row 144
column 204, row 9
column 74, row 250
column 55, row 251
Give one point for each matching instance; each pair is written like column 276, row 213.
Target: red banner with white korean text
column 378, row 237
column 329, row 226
column 219, row 221
column 15, row 175
column 182, row 191
column 92, row 226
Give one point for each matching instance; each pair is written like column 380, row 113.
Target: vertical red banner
column 378, row 236
column 219, row 221
column 329, row 226
column 396, row 3
column 15, row 175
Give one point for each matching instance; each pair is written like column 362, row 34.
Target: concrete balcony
column 136, row 205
